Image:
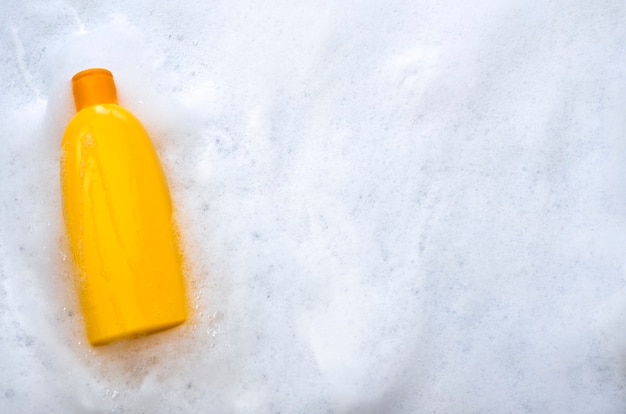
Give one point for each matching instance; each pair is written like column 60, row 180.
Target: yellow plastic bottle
column 118, row 216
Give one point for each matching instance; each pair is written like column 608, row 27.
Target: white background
column 385, row 206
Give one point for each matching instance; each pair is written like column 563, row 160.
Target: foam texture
column 385, row 206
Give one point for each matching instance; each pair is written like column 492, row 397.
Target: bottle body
column 118, row 216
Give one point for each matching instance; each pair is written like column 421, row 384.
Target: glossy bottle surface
column 118, row 215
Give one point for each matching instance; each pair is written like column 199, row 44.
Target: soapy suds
column 385, row 206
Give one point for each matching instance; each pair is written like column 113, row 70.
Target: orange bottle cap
column 93, row 87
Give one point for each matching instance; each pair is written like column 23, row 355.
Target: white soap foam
column 384, row 206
